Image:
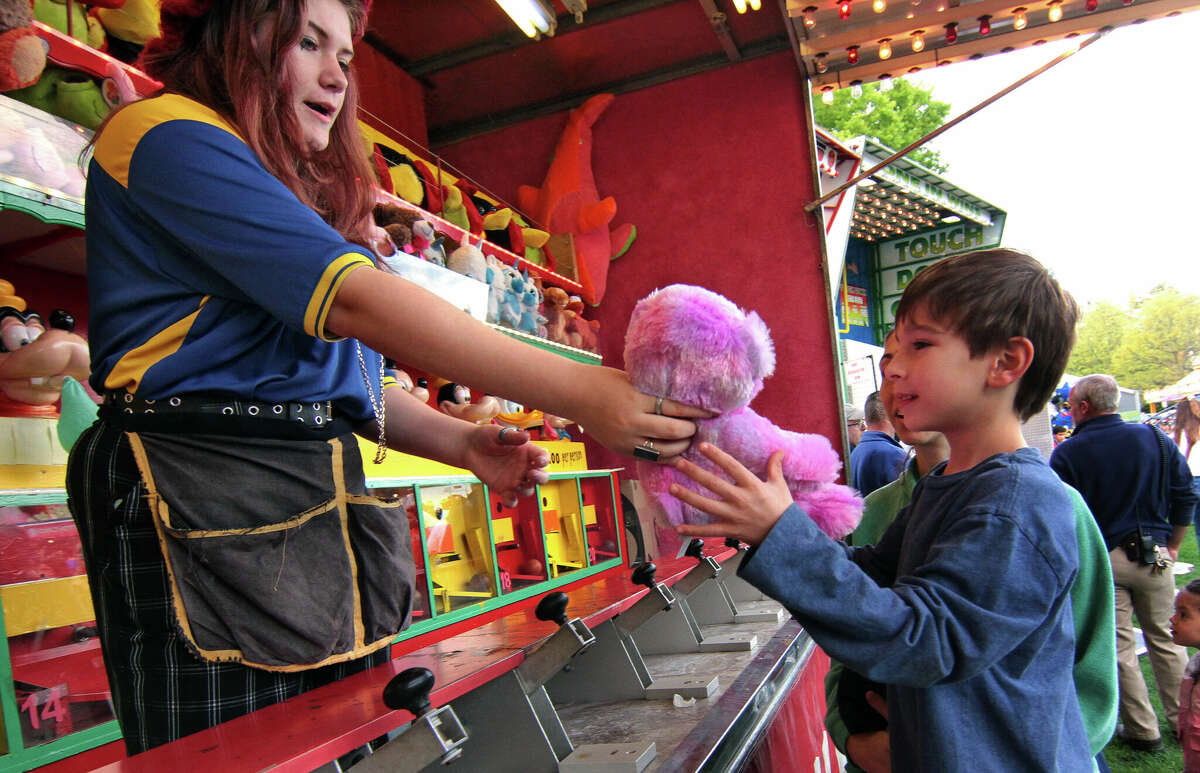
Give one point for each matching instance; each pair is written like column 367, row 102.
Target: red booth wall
column 714, row 171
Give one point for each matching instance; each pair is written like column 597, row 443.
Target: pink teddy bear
column 695, row 346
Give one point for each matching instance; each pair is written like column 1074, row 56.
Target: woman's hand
column 505, row 460
column 622, row 419
column 746, row 508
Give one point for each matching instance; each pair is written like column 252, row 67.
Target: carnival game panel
column 473, row 554
column 53, row 679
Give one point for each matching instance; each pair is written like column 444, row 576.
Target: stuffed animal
column 428, row 243
column 397, row 221
column 22, row 51
column 690, row 344
column 396, row 377
column 35, row 364
column 568, row 202
column 455, row 400
column 468, row 260
column 530, row 298
column 581, row 333
column 505, row 293
column 554, row 309
column 71, row 18
column 130, row 27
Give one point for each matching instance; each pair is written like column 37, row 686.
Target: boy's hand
column 872, row 751
column 746, row 508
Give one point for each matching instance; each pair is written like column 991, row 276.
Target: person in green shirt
column 1091, row 604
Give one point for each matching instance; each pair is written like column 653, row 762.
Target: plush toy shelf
column 581, row 355
column 66, row 51
column 488, row 248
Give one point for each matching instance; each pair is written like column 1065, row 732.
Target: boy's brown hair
column 990, row 296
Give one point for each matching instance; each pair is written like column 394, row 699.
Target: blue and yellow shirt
column 206, row 274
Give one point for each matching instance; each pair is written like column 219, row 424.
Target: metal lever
column 660, row 598
column 435, row 735
column 571, row 638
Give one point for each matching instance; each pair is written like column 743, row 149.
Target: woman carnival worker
column 237, row 326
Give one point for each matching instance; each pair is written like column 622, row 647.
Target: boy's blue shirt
column 972, row 629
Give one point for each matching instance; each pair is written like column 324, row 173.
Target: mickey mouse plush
column 692, row 345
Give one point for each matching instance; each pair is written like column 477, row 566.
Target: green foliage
column 1149, row 345
column 1098, row 336
column 896, row 117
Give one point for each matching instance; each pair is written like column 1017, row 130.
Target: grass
column 1120, row 757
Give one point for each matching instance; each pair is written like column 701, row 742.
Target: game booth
column 544, row 178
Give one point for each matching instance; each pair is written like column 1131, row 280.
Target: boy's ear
column 1010, row 362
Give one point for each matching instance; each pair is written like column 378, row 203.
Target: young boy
column 963, row 606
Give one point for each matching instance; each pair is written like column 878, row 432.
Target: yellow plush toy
column 129, row 27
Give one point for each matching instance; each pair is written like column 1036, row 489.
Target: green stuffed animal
column 70, row 94
column 70, row 17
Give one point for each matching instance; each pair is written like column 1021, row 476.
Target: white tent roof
column 1185, row 387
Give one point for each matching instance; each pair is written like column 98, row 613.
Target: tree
column 1152, row 343
column 1161, row 347
column 1099, row 334
column 897, row 117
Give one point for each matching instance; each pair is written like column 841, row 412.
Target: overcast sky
column 1095, row 161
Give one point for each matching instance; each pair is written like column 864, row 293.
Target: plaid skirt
column 161, row 689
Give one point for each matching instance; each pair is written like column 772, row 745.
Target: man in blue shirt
column 1119, row 469
column 877, row 459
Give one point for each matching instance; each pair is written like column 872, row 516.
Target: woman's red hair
column 215, row 56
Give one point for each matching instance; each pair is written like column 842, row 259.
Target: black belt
column 201, row 405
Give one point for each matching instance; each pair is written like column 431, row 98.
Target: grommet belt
column 314, row 414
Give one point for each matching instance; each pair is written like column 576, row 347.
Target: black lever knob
column 733, row 542
column 552, row 607
column 695, row 549
column 643, row 574
column 409, row 690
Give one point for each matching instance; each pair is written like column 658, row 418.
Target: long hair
column 1186, row 423
column 216, row 59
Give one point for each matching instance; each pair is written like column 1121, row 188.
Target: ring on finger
column 647, row 451
column 658, row 401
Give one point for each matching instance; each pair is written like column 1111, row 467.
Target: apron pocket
column 254, row 592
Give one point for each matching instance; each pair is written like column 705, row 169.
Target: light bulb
column 1056, row 10
column 885, row 48
column 852, row 55
column 879, row 6
column 739, row 6
column 856, row 89
column 1091, row 5
column 755, row 4
column 1020, row 20
column 844, row 9
column 827, row 94
column 885, row 82
column 951, row 32
column 810, row 20
column 918, row 41
column 985, row 25
column 821, row 62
